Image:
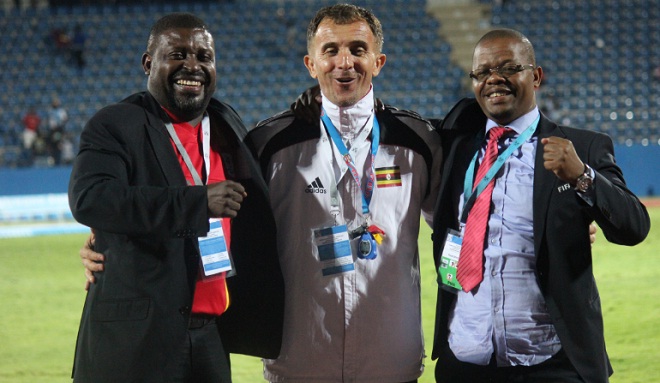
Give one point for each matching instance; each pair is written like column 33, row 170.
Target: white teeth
column 497, row 94
column 189, row 83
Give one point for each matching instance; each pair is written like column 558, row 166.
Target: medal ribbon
column 375, row 138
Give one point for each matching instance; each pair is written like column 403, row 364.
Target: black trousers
column 557, row 369
column 412, row 381
column 203, row 358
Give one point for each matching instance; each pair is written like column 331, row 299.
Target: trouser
column 554, row 370
column 412, row 381
column 203, row 358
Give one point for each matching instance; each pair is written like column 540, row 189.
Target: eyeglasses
column 505, row 71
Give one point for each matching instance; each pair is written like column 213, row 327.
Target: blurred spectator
column 291, row 31
column 60, row 39
column 57, row 118
column 31, row 122
column 39, row 151
column 67, row 150
column 656, row 73
column 78, row 46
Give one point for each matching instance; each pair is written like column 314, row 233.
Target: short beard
column 189, row 108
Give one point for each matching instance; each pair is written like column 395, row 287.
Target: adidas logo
column 316, row 187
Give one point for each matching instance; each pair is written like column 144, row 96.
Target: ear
column 309, row 63
column 379, row 63
column 538, row 77
column 146, row 63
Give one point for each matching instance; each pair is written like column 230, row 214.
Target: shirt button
column 493, row 273
column 493, row 241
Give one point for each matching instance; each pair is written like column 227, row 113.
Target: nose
column 345, row 59
column 495, row 76
column 191, row 63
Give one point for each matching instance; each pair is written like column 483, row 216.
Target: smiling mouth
column 188, row 82
column 498, row 94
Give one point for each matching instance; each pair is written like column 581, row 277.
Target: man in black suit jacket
column 535, row 316
column 129, row 183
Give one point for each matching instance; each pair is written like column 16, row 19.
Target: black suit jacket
column 561, row 239
column 127, row 184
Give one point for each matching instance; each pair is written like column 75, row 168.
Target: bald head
column 510, row 34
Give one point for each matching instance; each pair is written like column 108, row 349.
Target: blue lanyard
column 375, row 138
column 469, row 194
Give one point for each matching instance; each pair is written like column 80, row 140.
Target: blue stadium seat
column 598, row 57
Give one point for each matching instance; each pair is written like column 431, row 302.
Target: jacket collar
column 351, row 120
column 157, row 133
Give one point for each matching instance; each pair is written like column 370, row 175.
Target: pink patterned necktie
column 470, row 264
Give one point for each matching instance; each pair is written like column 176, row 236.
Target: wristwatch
column 585, row 181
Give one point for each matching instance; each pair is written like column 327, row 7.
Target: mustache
column 347, row 74
column 184, row 74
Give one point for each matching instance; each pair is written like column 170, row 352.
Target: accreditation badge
column 334, row 249
column 449, row 261
column 213, row 249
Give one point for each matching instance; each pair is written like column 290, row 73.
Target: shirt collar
column 351, row 119
column 518, row 125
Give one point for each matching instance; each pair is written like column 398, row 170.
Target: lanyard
column 375, row 138
column 206, row 146
column 470, row 195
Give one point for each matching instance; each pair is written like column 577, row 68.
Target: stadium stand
column 598, row 57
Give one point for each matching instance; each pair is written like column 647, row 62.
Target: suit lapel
column 545, row 181
column 161, row 144
column 462, row 152
column 464, row 141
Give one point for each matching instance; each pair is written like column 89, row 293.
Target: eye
column 177, row 56
column 509, row 70
column 359, row 51
column 206, row 58
column 480, row 74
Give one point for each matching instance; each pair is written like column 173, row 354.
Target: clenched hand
column 224, row 198
column 559, row 156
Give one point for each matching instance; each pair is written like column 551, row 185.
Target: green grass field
column 41, row 295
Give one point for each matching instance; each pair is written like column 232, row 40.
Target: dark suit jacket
column 127, row 184
column 561, row 240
